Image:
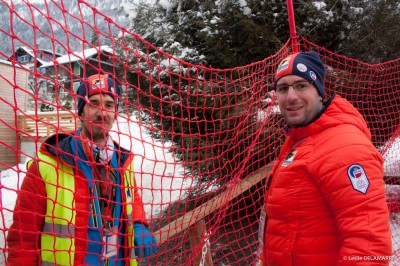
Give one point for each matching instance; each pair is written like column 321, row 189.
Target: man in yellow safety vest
column 79, row 203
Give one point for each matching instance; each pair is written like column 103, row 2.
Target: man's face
column 298, row 104
column 98, row 117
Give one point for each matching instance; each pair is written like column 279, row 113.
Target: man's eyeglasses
column 298, row 86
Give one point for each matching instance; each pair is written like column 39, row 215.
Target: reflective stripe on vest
column 58, row 238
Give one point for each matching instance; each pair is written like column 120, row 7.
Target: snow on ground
column 391, row 158
column 393, row 199
column 392, row 169
column 10, row 181
column 158, row 174
column 395, row 229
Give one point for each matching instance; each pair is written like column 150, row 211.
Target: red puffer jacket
column 326, row 202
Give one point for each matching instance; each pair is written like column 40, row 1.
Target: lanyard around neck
column 101, row 174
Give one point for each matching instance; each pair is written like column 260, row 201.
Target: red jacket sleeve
column 362, row 219
column 138, row 214
column 24, row 234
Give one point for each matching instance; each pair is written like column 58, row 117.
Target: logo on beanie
column 313, row 76
column 301, row 67
column 97, row 84
column 284, row 65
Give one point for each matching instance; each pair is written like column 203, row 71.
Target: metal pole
column 292, row 26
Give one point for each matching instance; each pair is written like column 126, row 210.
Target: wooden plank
column 210, row 206
column 46, row 124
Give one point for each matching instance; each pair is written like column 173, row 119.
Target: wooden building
column 13, row 95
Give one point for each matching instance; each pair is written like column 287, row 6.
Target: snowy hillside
column 81, row 18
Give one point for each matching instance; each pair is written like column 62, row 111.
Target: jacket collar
column 336, row 111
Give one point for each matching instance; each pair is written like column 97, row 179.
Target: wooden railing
column 196, row 216
column 44, row 124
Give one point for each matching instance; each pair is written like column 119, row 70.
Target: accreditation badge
column 110, row 242
column 289, row 159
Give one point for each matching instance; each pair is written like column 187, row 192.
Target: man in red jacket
column 79, row 204
column 325, row 204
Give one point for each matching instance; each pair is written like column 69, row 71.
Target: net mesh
column 203, row 138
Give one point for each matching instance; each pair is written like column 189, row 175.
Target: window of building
column 77, row 69
column 23, row 58
column 76, row 85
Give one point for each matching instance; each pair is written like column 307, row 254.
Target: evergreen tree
column 204, row 113
column 373, row 35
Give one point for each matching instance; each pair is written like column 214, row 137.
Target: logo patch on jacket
column 289, row 159
column 358, row 178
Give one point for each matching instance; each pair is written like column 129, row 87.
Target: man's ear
column 82, row 116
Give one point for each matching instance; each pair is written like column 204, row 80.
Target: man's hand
column 144, row 241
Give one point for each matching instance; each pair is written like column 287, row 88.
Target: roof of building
column 5, row 62
column 42, row 60
column 78, row 56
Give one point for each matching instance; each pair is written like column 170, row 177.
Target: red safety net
column 203, row 138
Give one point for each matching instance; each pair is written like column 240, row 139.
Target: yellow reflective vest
column 58, row 235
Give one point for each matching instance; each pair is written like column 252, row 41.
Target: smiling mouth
column 294, row 108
